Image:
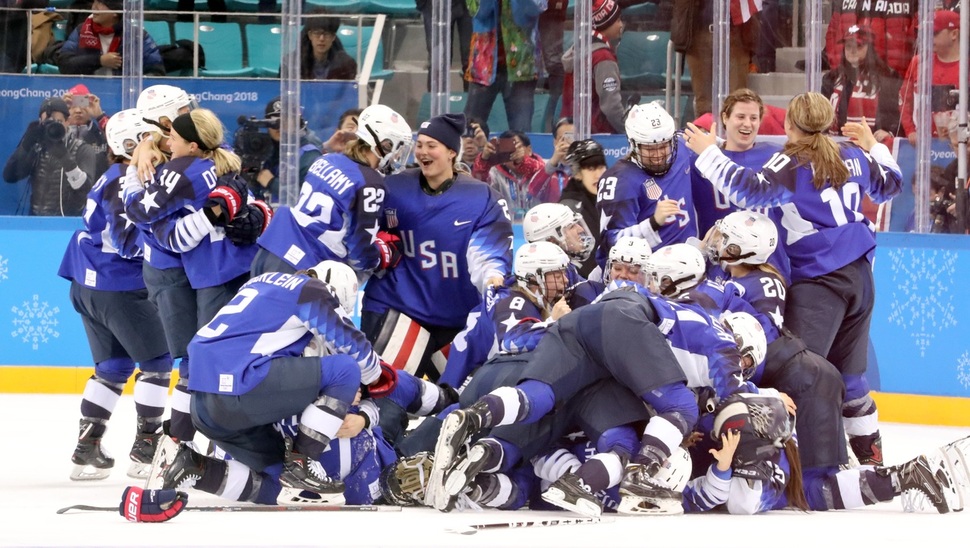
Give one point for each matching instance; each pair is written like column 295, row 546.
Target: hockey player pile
column 714, row 358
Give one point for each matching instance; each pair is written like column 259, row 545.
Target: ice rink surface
column 39, row 433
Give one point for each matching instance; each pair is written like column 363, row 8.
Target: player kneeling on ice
column 756, row 468
column 254, row 373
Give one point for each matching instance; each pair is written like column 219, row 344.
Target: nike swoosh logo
column 461, row 223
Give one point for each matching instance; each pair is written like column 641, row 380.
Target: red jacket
column 892, row 23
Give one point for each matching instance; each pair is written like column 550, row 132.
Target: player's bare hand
column 860, row 133
column 789, row 403
column 666, row 211
column 560, row 309
column 352, row 425
column 724, row 455
column 698, row 139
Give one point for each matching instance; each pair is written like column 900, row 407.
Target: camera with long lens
column 254, row 145
column 944, row 98
column 941, row 217
column 53, row 131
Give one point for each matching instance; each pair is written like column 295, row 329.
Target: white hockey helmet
column 744, row 237
column 750, row 338
column 156, row 103
column 388, row 135
column 631, row 251
column 532, row 262
column 342, row 279
column 650, row 124
column 560, row 224
column 124, row 131
column 675, row 269
column 675, row 472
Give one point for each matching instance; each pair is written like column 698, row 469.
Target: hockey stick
column 474, row 528
column 253, row 508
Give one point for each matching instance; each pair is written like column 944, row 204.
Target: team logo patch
column 654, row 192
column 390, row 214
column 610, row 84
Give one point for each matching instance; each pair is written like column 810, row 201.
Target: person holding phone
column 547, row 186
column 508, row 165
column 87, row 122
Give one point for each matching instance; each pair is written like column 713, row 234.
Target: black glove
column 230, row 196
column 249, row 224
column 33, row 134
column 57, row 149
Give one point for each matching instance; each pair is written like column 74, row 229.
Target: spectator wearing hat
column 87, row 122
column 692, row 33
column 863, row 86
column 511, row 174
column 503, row 59
column 95, row 46
column 59, row 167
column 607, row 111
column 456, row 239
column 322, row 55
column 946, row 78
column 267, row 185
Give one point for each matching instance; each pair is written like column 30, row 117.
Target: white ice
column 38, row 434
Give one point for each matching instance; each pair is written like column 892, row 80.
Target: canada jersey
column 628, row 196
column 452, row 242
column 273, row 315
column 336, row 217
column 106, row 255
column 822, row 230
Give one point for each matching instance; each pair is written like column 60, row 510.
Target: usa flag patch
column 390, row 214
column 654, row 192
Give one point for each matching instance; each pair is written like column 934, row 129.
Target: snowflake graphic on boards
column 35, row 322
column 922, row 301
column 3, row 268
column 963, row 370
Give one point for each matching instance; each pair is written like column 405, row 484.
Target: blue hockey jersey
column 107, row 254
column 711, row 204
column 272, row 315
column 822, row 230
column 336, row 217
column 453, row 242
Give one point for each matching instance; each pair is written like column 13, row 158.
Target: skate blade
column 582, row 507
column 633, row 505
column 294, row 496
column 139, row 470
column 458, row 477
column 956, row 457
column 86, row 472
column 164, row 455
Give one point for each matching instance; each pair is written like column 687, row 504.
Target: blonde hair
column 211, row 133
column 812, row 114
column 357, row 151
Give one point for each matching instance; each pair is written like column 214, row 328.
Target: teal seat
column 223, row 47
column 160, row 31
column 60, row 30
column 392, row 8
column 264, row 43
column 172, row 5
column 60, row 4
column 44, row 68
column 249, row 6
column 349, row 39
column 642, row 57
column 497, row 119
column 334, row 6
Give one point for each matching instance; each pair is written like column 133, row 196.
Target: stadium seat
column 264, row 43
column 334, row 6
column 172, row 5
column 392, row 8
column 497, row 119
column 642, row 57
column 249, row 6
column 44, row 68
column 348, row 37
column 160, row 31
column 223, row 47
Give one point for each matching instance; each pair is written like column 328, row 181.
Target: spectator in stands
column 218, row 6
column 548, row 184
column 473, row 142
column 552, row 25
column 863, row 86
column 607, row 111
column 510, row 173
column 946, row 77
column 267, row 187
column 692, row 35
column 346, row 131
column 95, row 46
column 58, row 167
column 892, row 24
column 461, row 30
column 503, row 59
column 14, row 26
column 322, row 55
column 87, row 122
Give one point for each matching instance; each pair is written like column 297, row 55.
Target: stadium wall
column 920, row 367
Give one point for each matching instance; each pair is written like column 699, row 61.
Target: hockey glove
column 152, row 505
column 389, row 246
column 230, row 196
column 249, row 224
column 384, row 384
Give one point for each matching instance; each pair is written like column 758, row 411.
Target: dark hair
column 352, row 113
column 516, row 133
column 329, row 24
column 481, row 123
column 567, row 120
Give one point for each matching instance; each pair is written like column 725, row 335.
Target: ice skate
column 458, row 427
column 143, row 450
column 926, row 478
column 461, row 475
column 640, row 494
column 571, row 493
column 91, row 461
column 300, row 474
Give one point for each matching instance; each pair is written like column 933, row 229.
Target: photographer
column 943, row 203
column 260, row 152
column 58, row 167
